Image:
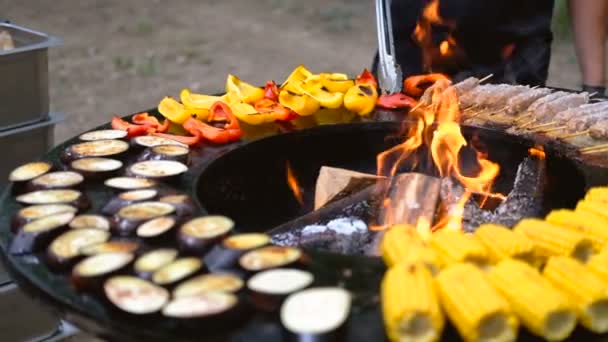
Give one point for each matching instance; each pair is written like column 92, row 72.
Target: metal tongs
column 389, row 72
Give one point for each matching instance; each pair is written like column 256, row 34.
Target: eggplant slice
column 34, row 212
column 184, row 206
column 200, row 233
column 177, row 271
column 55, row 196
column 226, row 255
column 151, row 141
column 89, row 273
column 157, row 169
column 270, row 257
column 29, row 171
column 103, row 134
column 36, row 235
column 201, row 306
column 95, row 166
column 153, row 260
column 135, row 296
column 316, row 312
column 118, row 246
column 156, row 227
column 58, row 180
column 126, row 198
column 246, row 241
column 280, row 281
column 167, row 152
column 90, row 221
column 213, row 282
column 97, row 148
column 64, row 250
column 129, row 183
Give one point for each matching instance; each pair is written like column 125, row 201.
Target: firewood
column 332, row 181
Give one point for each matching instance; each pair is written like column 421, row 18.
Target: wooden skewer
column 593, row 94
column 533, row 128
column 572, row 135
column 486, row 78
column 559, row 128
column 599, row 150
column 524, row 116
column 476, row 114
column 470, row 108
column 525, row 124
column 590, row 148
column 498, row 111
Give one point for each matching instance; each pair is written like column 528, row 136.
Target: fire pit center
column 250, row 185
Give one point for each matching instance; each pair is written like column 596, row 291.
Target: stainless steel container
column 24, row 90
column 25, row 144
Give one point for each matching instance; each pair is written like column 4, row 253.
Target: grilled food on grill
column 502, row 243
column 454, row 246
column 593, row 226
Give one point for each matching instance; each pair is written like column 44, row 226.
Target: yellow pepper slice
column 361, row 99
column 325, row 98
column 299, row 74
column 246, row 92
column 302, row 104
column 197, row 101
column 177, row 112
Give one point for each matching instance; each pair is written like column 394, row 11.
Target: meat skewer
column 466, row 85
column 520, row 102
column 547, row 109
column 584, row 122
column 586, row 109
column 599, row 130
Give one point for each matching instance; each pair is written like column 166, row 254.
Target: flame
column 436, row 128
column 292, row 182
column 444, row 48
column 538, row 152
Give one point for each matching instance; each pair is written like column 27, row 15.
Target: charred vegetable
column 128, row 218
column 97, row 148
column 176, row 271
column 167, row 152
column 160, row 228
column 152, row 261
column 157, row 169
column 198, row 234
column 90, row 221
column 103, row 134
column 226, row 254
column 129, row 183
column 213, row 282
column 184, row 206
column 89, row 274
column 34, row 212
column 96, row 168
column 36, row 235
column 65, row 249
column 25, row 173
column 269, row 288
column 72, row 197
column 126, row 198
column 118, row 246
column 270, row 257
column 135, row 296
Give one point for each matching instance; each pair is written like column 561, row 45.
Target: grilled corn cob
column 584, row 288
column 597, row 194
column 597, row 208
column 550, row 239
column 474, row 307
column 501, row 242
column 543, row 309
column 402, row 244
column 594, row 226
column 599, row 264
column 455, row 246
column 410, row 305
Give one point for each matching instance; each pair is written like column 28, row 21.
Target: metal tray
column 24, row 90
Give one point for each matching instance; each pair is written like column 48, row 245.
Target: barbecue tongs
column 389, row 72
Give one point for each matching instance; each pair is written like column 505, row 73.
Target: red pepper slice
column 190, row 140
column 118, row 123
column 395, row 101
column 219, row 112
column 164, row 126
column 270, row 106
column 366, row 77
column 137, row 130
column 145, row 119
column 271, row 91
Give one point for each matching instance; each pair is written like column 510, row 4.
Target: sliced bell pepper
column 361, row 99
column 162, row 128
column 133, row 130
column 246, row 92
column 271, row 92
column 366, row 77
column 336, row 83
column 266, row 111
column 417, row 84
column 147, row 119
column 199, row 102
column 299, row 74
column 187, row 140
column 219, row 113
column 396, row 101
column 302, row 104
column 326, row 99
column 177, row 112
column 118, row 123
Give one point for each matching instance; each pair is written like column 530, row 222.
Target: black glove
column 599, row 91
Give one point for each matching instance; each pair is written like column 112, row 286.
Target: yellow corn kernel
column 594, row 207
column 598, row 263
column 455, row 246
column 409, row 304
column 501, row 242
column 555, row 240
column 584, row 288
column 594, row 226
column 597, row 194
column 402, row 244
column 542, row 308
column 474, row 307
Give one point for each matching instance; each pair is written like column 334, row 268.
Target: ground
column 123, row 56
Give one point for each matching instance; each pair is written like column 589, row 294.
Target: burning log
column 335, row 183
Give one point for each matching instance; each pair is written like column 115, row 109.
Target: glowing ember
column 538, row 152
column 293, row 185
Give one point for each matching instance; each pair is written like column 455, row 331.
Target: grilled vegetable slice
column 57, row 180
column 36, row 235
column 157, row 228
column 157, row 169
column 177, row 271
column 129, row 183
column 555, row 240
column 584, row 288
column 477, row 310
column 151, row 141
column 410, row 305
column 65, row 249
column 56, row 196
column 200, row 233
column 103, row 134
column 118, row 246
column 88, row 274
column 126, row 198
column 269, row 257
column 402, row 244
column 29, row 171
column 317, row 312
column 593, row 226
column 543, row 309
column 97, row 148
column 128, row 218
column 95, row 168
column 153, row 260
column 213, row 282
column 270, row 288
column 167, row 152
column 184, row 206
column 34, row 212
column 135, row 296
column 455, row 246
column 90, row 221
column 227, row 254
column 501, row 243
column 204, row 305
